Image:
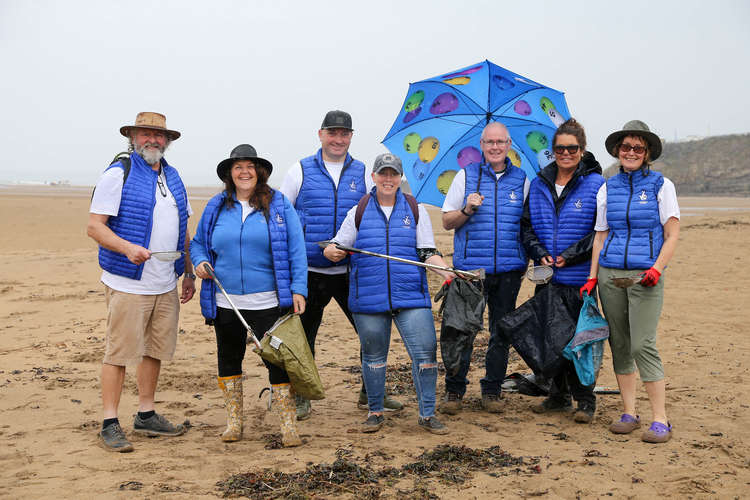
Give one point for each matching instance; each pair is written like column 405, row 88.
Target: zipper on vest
column 627, row 221
column 466, row 243
column 336, row 194
column 242, row 275
column 356, row 282
column 610, row 237
column 651, row 244
column 273, row 264
column 388, row 251
column 494, row 253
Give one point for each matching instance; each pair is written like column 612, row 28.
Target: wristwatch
column 463, row 211
column 190, row 275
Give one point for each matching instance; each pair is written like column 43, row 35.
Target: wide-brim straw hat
column 637, row 128
column 153, row 121
column 242, row 152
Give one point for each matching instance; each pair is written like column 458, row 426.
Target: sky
column 265, row 72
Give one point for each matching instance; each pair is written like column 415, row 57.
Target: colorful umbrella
column 437, row 131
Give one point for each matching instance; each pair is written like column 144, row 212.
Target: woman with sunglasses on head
column 558, row 231
column 637, row 227
column 251, row 236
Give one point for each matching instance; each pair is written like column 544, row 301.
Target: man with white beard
column 139, row 210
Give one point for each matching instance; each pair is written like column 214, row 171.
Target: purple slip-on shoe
column 657, row 433
column 627, row 424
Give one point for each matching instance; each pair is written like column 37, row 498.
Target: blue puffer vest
column 378, row 285
column 491, row 238
column 635, row 231
column 278, row 237
column 135, row 217
column 322, row 207
column 576, row 219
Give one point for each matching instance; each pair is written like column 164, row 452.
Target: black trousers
column 321, row 288
column 500, row 291
column 231, row 340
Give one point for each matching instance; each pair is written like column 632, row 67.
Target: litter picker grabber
column 250, row 333
column 477, row 274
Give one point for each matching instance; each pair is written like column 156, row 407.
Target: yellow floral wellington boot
column 284, row 405
column 232, row 389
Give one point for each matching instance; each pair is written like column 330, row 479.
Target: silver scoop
column 168, row 256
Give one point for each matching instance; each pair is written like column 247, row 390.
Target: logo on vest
column 643, row 197
column 406, row 220
column 353, row 186
column 279, row 219
column 578, row 204
column 513, row 197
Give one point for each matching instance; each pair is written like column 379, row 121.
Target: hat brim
column 223, row 167
column 172, row 134
column 654, row 143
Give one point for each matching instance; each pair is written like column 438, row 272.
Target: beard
column 152, row 155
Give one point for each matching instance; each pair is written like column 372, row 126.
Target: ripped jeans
column 417, row 329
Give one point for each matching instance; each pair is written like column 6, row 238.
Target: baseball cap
column 387, row 160
column 337, row 119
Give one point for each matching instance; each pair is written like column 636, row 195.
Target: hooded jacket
column 563, row 225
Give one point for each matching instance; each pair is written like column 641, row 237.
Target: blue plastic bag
column 586, row 347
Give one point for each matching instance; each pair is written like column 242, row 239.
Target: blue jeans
column 417, row 329
column 500, row 292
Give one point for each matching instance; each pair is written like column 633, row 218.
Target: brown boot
column 284, row 405
column 231, row 387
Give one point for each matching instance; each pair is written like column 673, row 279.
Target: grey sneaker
column 452, row 404
column 113, row 439
column 433, row 425
column 157, row 425
column 303, row 408
column 388, row 403
column 373, row 423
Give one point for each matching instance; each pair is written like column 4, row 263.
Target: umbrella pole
column 236, row 311
column 476, row 275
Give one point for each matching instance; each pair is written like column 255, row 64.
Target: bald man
column 484, row 206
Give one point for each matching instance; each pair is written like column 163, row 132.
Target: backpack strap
column 362, row 204
column 124, row 158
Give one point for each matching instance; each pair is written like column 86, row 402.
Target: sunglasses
column 572, row 149
column 637, row 149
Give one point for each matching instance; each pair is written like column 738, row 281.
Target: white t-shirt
column 158, row 276
column 293, row 183
column 666, row 199
column 248, row 301
column 454, row 200
column 347, row 235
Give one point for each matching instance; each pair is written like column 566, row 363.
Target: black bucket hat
column 242, row 152
column 637, row 128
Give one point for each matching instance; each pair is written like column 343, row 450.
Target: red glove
column 589, row 286
column 650, row 277
column 447, row 282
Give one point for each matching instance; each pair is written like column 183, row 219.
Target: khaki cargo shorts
column 140, row 325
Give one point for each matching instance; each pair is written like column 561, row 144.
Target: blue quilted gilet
column 558, row 231
column 635, row 231
column 491, row 238
column 378, row 285
column 322, row 207
column 135, row 217
column 280, row 255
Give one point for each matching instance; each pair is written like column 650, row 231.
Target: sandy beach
column 52, row 318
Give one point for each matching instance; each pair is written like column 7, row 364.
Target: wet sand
column 52, row 318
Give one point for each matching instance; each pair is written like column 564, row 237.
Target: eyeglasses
column 637, row 149
column 571, row 149
column 499, row 142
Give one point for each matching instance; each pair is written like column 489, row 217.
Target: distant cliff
column 718, row 166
